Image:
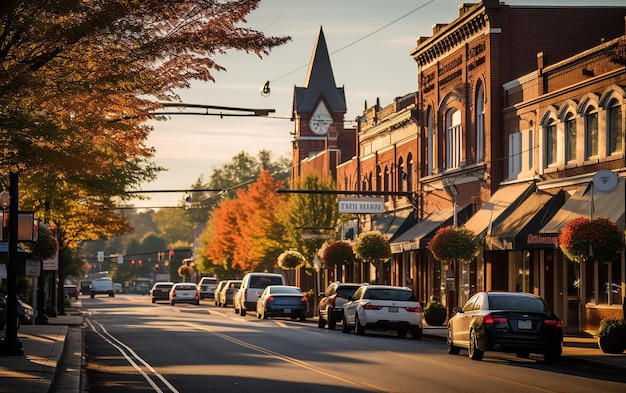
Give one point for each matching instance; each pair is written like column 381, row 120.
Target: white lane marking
column 109, row 338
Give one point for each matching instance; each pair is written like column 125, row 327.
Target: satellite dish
column 605, row 181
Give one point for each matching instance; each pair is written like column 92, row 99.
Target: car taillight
column 370, row 306
column 490, row 320
column 416, row 309
column 174, row 292
column 271, row 298
column 197, row 293
column 304, row 299
column 332, row 300
column 554, row 322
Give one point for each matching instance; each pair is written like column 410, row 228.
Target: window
column 531, row 150
column 615, row 128
column 591, row 133
column 570, row 138
column 409, row 171
column 515, row 154
column 401, row 175
column 480, row 124
column 430, row 142
column 551, row 144
column 454, row 134
column 379, row 179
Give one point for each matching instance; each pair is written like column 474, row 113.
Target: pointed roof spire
column 320, row 82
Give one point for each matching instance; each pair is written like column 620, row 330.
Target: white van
column 101, row 286
column 252, row 285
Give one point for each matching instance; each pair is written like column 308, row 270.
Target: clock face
column 320, row 122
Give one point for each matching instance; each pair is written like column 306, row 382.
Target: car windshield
column 389, row 294
column 188, row 287
column 516, row 303
column 285, row 290
column 346, row 292
column 265, row 281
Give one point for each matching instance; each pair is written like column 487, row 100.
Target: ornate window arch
column 612, row 101
column 409, row 171
column 430, row 142
column 549, row 138
column 401, row 175
column 454, row 138
column 480, row 122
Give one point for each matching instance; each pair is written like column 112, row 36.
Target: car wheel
column 321, row 323
column 522, row 354
column 416, row 333
column 473, row 352
column 345, row 328
column 264, row 315
column 197, row 303
column 258, row 315
column 360, row 329
column 172, row 303
column 153, row 301
column 242, row 312
column 552, row 357
column 452, row 349
column 331, row 322
column 401, row 333
column 302, row 317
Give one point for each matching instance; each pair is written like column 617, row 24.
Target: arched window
column 409, row 171
column 430, row 143
column 550, row 143
column 379, row 178
column 480, row 123
column 570, row 137
column 591, row 132
column 401, row 175
column 454, row 142
column 615, row 128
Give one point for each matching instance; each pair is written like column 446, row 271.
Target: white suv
column 252, row 285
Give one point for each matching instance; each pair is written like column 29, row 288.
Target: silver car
column 383, row 307
column 184, row 293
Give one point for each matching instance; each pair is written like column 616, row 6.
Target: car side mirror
column 321, row 295
column 457, row 310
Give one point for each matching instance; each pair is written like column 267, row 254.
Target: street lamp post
column 11, row 345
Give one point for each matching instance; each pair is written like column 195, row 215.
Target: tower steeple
column 319, row 83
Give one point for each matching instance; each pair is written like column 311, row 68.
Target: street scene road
column 133, row 345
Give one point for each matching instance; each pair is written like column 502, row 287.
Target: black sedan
column 282, row 301
column 519, row 323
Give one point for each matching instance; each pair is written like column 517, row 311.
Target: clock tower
column 318, row 112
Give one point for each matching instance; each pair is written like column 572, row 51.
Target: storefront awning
column 609, row 205
column 393, row 224
column 505, row 200
column 420, row 234
column 520, row 229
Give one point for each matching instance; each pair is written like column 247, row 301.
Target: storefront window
column 603, row 280
column 522, row 271
column 614, row 289
column 606, row 280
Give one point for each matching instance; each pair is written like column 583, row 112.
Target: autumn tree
column 311, row 213
column 219, row 239
column 78, row 81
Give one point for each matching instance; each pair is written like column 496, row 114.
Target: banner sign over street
column 364, row 205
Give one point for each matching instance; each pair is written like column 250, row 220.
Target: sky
column 369, row 42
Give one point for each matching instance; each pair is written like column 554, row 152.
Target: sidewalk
column 53, row 356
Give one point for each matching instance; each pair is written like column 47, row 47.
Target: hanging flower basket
column 336, row 253
column 453, row 243
column 585, row 240
column 372, row 246
column 291, row 260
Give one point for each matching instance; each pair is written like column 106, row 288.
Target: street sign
column 363, row 205
column 308, row 236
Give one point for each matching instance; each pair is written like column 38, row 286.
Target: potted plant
column 612, row 335
column 435, row 313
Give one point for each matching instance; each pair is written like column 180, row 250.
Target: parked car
column 282, row 301
column 383, row 307
column 519, row 323
column 161, row 291
column 332, row 301
column 102, row 286
column 252, row 285
column 25, row 312
column 71, row 291
column 184, row 293
column 227, row 294
column 118, row 287
column 218, row 289
column 207, row 286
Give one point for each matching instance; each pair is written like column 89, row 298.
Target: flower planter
column 612, row 344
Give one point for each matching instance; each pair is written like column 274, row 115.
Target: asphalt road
column 133, row 345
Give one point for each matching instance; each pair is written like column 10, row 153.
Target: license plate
column 393, row 309
column 524, row 324
column 287, row 311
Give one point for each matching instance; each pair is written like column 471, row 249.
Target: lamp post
column 11, row 345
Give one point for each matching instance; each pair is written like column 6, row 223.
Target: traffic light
column 156, row 266
column 132, row 262
column 171, row 254
column 140, row 263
